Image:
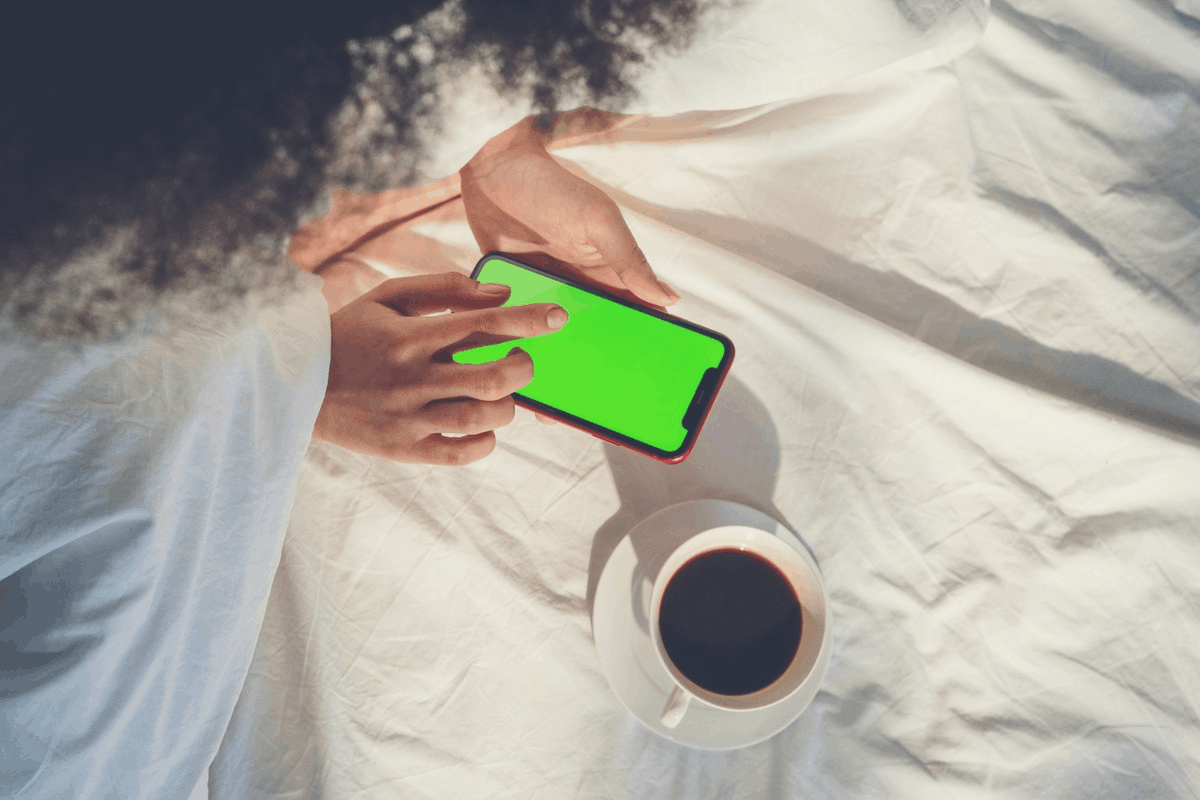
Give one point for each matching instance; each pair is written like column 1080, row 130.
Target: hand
column 394, row 389
column 520, row 201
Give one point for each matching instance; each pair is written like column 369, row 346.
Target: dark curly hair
column 171, row 146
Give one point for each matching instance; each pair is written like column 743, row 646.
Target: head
column 153, row 150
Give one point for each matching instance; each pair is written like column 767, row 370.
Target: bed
column 958, row 248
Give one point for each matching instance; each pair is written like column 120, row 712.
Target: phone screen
column 629, row 373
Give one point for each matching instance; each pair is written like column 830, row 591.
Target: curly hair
column 153, row 149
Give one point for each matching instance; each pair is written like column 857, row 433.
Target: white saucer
column 622, row 633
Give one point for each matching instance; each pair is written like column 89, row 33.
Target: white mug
column 802, row 575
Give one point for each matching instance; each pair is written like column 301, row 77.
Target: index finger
column 424, row 294
column 467, row 329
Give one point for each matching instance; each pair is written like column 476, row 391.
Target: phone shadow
column 736, row 458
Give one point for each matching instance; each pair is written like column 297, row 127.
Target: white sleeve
column 145, row 488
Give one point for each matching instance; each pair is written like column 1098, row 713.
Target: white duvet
column 962, row 271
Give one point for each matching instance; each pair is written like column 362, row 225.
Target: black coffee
column 730, row 621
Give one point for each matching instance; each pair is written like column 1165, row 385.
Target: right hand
column 394, row 388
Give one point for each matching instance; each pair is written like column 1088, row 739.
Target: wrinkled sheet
column 965, row 292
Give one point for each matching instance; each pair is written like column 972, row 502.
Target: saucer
column 621, row 630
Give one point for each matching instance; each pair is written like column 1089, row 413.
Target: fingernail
column 666, row 287
column 556, row 318
column 515, row 350
column 493, row 288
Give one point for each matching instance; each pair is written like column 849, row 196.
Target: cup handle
column 673, row 711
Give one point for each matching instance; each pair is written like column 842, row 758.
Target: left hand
column 520, row 201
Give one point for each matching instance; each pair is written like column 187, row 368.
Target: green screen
column 611, row 365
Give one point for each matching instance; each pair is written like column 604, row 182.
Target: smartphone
column 629, row 374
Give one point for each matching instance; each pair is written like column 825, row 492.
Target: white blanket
column 965, row 300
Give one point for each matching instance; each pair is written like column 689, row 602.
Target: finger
column 460, row 331
column 542, row 418
column 463, row 416
column 427, row 294
column 613, row 239
column 491, row 381
column 454, row 452
column 617, row 290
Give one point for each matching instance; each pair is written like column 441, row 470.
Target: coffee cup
column 738, row 620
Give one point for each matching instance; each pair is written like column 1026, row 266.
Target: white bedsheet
column 966, row 301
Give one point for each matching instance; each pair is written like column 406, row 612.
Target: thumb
column 623, row 256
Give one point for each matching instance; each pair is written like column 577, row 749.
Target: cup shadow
column 736, row 458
